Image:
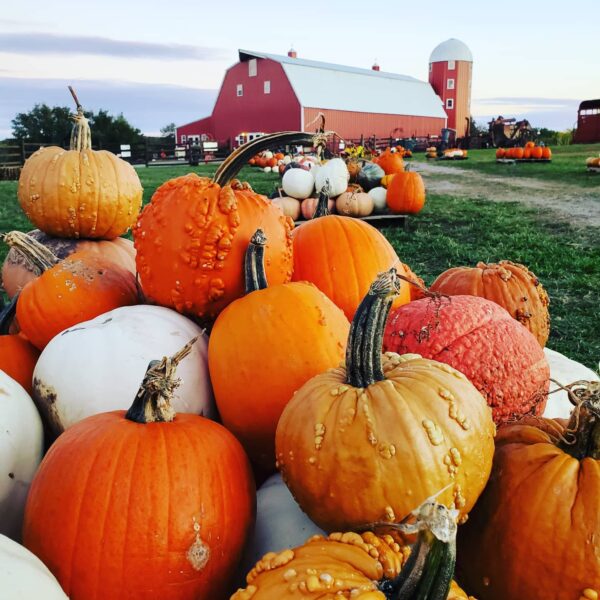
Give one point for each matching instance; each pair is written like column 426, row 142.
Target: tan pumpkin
column 289, row 206
column 354, row 202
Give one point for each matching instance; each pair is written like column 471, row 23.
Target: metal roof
column 339, row 87
column 451, row 49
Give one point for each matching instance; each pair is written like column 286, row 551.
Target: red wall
column 351, row 125
column 202, row 126
column 461, row 94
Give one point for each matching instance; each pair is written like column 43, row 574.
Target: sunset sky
column 159, row 61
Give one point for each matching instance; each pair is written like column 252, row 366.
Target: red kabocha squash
column 534, row 532
column 480, row 339
column 67, row 292
column 17, row 359
column 17, row 270
column 342, row 256
column 511, row 285
column 275, row 338
column 192, row 237
column 80, row 192
column 406, row 193
column 142, row 504
column 367, row 441
column 391, row 162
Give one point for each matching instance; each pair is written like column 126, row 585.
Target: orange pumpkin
column 143, row 504
column 530, row 145
column 18, row 271
column 265, row 346
column 527, row 153
column 536, row 152
column 192, row 237
column 517, row 153
column 500, row 153
column 391, row 162
column 77, row 289
column 546, row 153
column 341, row 256
column 79, row 193
column 17, row 359
column 406, row 193
column 385, row 181
column 511, row 285
column 416, row 291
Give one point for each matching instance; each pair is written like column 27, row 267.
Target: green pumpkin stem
column 363, row 353
column 322, row 208
column 81, row 134
column 255, row 277
column 153, row 401
column 232, row 165
column 40, row 257
column 582, row 435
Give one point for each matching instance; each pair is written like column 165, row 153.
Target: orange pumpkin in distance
column 406, row 193
column 500, row 153
column 546, row 153
column 143, row 504
column 518, row 153
column 536, row 152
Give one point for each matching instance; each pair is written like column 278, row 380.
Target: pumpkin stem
column 81, row 135
column 232, row 165
column 40, row 257
column 153, row 401
column 7, row 314
column 322, row 208
column 363, row 353
column 254, row 263
column 582, row 436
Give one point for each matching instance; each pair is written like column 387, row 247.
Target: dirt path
column 581, row 207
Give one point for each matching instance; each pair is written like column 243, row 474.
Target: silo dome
column 451, row 49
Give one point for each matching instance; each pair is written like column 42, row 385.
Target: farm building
column 588, row 122
column 263, row 93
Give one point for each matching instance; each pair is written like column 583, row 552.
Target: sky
column 159, row 62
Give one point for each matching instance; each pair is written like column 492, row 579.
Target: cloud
column 146, row 106
column 49, row 43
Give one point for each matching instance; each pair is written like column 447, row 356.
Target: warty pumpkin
column 342, row 256
column 406, row 193
column 192, row 237
column 534, row 532
column 17, row 270
column 511, row 285
column 367, row 441
column 479, row 338
column 147, row 501
column 67, row 292
column 80, row 192
column 374, row 565
column 265, row 346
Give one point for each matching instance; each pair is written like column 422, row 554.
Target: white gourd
column 379, row 195
column 298, row 183
column 336, row 174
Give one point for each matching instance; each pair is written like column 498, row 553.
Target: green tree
column 168, row 130
column 51, row 125
column 109, row 131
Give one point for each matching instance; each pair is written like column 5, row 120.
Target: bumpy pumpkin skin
column 479, row 338
column 534, row 532
column 17, row 270
column 352, row 456
column 191, row 240
column 79, row 288
column 406, row 193
column 265, row 346
column 157, row 510
column 17, row 359
column 342, row 256
column 79, row 194
column 342, row 565
column 511, row 285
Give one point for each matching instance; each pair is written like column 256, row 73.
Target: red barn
column 588, row 122
column 264, row 93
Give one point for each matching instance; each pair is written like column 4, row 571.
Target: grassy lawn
column 454, row 231
column 567, row 166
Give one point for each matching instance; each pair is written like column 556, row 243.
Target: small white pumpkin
column 287, row 159
column 23, row 576
column 335, row 173
column 97, row 365
column 379, row 195
column 267, row 169
column 21, row 446
column 298, row 183
column 268, row 154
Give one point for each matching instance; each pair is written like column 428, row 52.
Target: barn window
column 450, row 103
column 451, row 65
column 183, row 139
column 251, row 68
column 240, row 89
column 267, row 87
column 450, row 84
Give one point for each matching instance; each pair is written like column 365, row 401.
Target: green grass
column 567, row 166
column 454, row 231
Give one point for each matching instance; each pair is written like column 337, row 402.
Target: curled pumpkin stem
column 81, row 135
column 40, row 257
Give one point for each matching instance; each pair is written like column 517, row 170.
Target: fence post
column 23, row 156
column 146, row 152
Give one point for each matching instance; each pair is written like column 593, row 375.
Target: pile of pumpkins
column 376, row 399
column 270, row 161
column 356, row 188
column 529, row 152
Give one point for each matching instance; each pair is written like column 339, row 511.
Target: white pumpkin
column 267, row 154
column 267, row 169
column 21, row 447
column 335, row 173
column 23, row 576
column 280, row 523
column 379, row 195
column 298, row 183
column 97, row 366
column 565, row 371
column 287, row 159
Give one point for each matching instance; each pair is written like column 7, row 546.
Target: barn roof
column 338, row 87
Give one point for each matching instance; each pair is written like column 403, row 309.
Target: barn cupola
column 450, row 74
column 292, row 53
column 375, row 66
